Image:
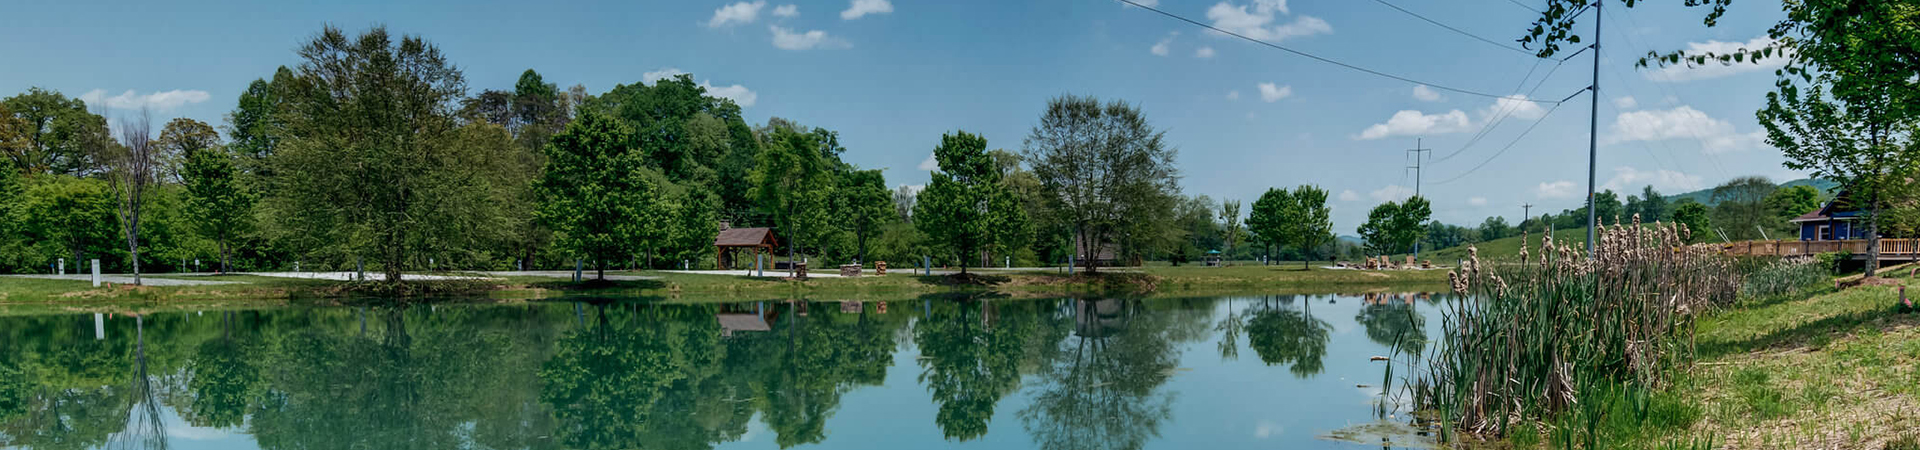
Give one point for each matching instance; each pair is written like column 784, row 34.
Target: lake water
column 1200, row 373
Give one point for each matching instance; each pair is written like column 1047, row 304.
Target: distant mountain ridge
column 1705, row 196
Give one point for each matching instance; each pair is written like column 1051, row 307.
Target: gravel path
column 565, row 274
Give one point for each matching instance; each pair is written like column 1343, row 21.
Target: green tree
column 1495, row 227
column 1740, row 208
column 1696, row 218
column 600, row 199
column 220, row 208
column 1396, row 227
column 258, row 123
column 1307, row 221
column 1108, row 173
column 791, row 183
column 965, row 209
column 1267, row 221
column 1233, row 231
column 179, row 138
column 1653, row 206
column 371, row 120
column 75, row 215
column 864, row 205
column 54, row 134
column 1790, row 202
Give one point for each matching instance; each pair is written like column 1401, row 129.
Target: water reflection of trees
column 1101, row 386
column 1284, row 333
column 557, row 375
column 1392, row 320
column 972, row 354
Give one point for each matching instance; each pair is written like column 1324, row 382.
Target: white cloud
column 930, row 164
column 1426, row 94
column 1687, row 71
column 737, row 13
column 164, row 100
column 1257, row 23
column 1477, row 201
column 1165, row 45
column 1556, row 189
column 786, row 39
column 1391, row 193
column 739, row 94
column 1349, row 196
column 1203, row 52
column 1270, row 93
column 787, row 11
column 864, row 7
column 1625, row 103
column 1683, row 122
column 1627, row 180
column 1233, row 95
column 1415, row 123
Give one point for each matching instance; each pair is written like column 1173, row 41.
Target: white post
column 296, row 266
column 1009, row 260
column 99, row 326
column 96, row 273
column 63, row 266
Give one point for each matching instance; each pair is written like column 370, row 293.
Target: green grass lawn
column 1147, row 281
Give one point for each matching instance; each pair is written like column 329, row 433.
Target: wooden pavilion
column 731, row 240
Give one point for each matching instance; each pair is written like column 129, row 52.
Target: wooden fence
column 1904, row 249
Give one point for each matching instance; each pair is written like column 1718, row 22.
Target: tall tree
column 1267, row 221
column 1789, row 202
column 76, row 215
column 1308, row 221
column 1378, row 229
column 1110, row 174
column 259, row 122
column 864, row 205
column 131, row 174
column 1233, row 230
column 1495, row 227
column 180, row 137
column 1653, row 206
column 1740, row 207
column 1695, row 217
column 220, row 208
column 54, row 134
column 1395, row 227
column 965, row 208
column 369, row 164
column 791, row 183
column 599, row 197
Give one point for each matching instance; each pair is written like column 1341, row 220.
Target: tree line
column 371, row 153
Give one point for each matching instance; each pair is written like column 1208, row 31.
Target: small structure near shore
column 728, row 244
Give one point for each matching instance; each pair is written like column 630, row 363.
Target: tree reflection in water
column 1100, row 387
column 1393, row 321
column 1282, row 335
column 971, row 355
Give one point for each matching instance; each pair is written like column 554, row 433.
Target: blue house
column 1834, row 221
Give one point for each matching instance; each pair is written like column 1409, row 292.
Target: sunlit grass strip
column 1527, row 334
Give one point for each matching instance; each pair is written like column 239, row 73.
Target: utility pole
column 1417, row 151
column 1526, row 212
column 1593, row 125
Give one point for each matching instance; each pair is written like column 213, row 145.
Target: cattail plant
column 1525, row 334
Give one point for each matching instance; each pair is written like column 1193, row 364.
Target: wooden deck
column 1890, row 249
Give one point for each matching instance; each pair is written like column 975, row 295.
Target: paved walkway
column 147, row 280
column 565, row 274
column 349, row 276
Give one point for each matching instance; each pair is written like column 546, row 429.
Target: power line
column 1510, row 144
column 1502, row 114
column 1523, row 5
column 1316, row 57
column 1457, row 30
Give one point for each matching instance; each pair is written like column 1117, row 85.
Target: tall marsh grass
column 1775, row 278
column 1529, row 337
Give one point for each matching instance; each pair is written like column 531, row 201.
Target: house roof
column 744, row 237
column 1839, row 208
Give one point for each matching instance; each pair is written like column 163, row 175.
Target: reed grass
column 1531, row 336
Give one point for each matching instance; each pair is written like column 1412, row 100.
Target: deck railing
column 1889, row 248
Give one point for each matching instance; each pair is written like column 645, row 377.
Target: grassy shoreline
column 1141, row 282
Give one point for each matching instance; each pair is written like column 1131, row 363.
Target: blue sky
column 892, row 76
